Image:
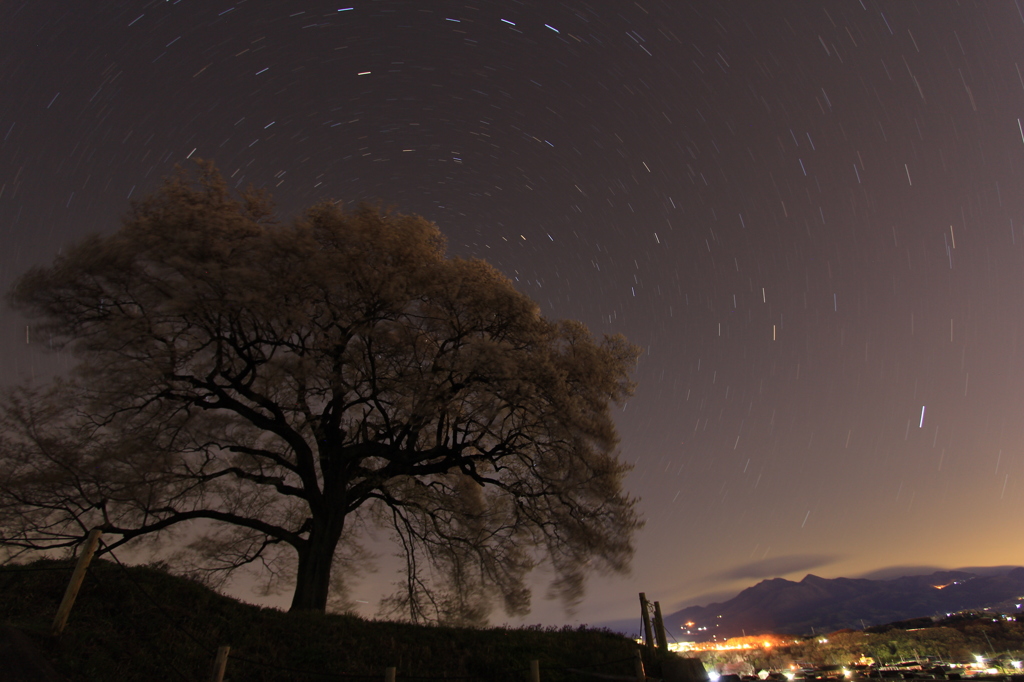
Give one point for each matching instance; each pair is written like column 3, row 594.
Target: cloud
column 776, row 566
column 891, row 572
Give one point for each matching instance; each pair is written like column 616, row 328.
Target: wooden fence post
column 659, row 628
column 389, row 675
column 534, row 671
column 220, row 664
column 89, row 548
column 645, row 616
column 638, row 667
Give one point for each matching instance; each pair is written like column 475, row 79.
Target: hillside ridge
column 816, row 604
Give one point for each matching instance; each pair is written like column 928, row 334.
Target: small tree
column 277, row 389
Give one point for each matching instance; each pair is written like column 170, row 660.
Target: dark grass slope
column 140, row 623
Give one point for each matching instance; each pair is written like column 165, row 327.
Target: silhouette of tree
column 268, row 392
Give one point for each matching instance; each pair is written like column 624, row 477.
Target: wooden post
column 659, row 628
column 88, row 549
column 645, row 615
column 534, row 671
column 638, row 667
column 389, row 675
column 220, row 664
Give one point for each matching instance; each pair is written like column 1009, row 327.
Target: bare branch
column 271, row 386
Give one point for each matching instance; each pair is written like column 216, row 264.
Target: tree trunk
column 313, row 577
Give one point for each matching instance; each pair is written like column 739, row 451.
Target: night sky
column 809, row 215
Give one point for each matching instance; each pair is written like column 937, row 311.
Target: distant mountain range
column 816, row 605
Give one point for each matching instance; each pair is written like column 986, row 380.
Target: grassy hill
column 140, row 623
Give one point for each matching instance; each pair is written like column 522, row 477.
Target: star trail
column 808, row 214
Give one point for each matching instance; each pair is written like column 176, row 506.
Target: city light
column 732, row 644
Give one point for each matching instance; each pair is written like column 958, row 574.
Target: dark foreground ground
column 140, row 623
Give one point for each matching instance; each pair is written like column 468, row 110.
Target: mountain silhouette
column 817, row 605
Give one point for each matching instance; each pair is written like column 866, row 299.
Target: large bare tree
column 270, row 391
